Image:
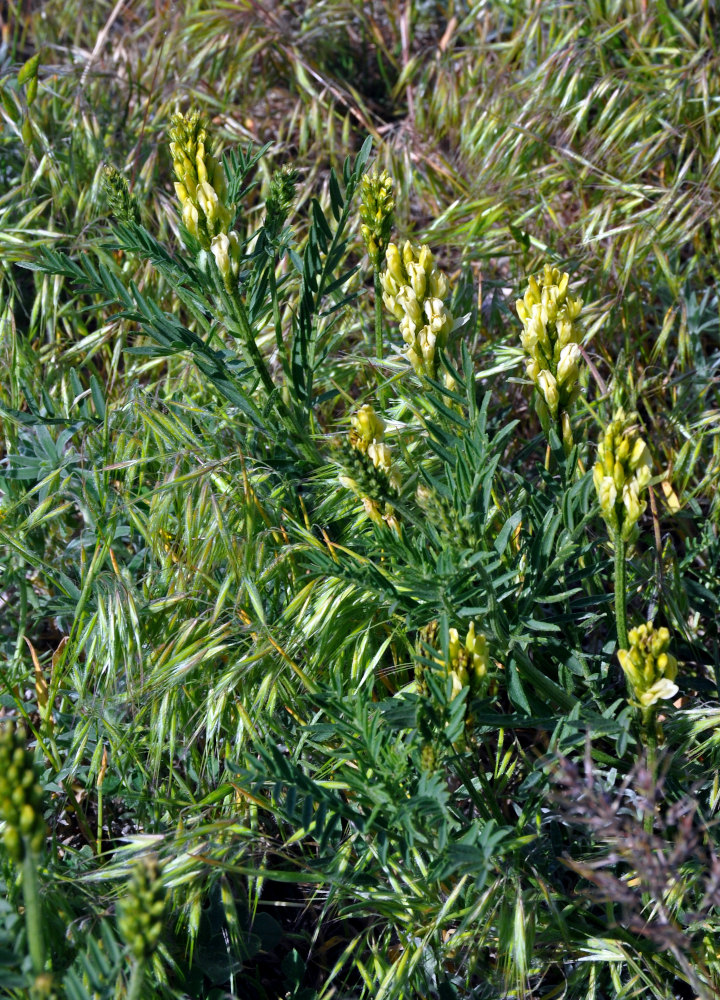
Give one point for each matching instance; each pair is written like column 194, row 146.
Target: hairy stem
column 137, row 981
column 382, row 397
column 33, row 917
column 378, row 315
column 620, row 591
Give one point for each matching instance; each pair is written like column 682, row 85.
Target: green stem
column 620, row 591
column 378, row 315
column 33, row 918
column 650, row 732
column 277, row 320
column 137, row 981
column 22, row 616
column 382, row 399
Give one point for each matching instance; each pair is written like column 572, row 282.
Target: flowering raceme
column 468, row 665
column 202, row 192
column 648, row 666
column 550, row 338
column 376, row 214
column 372, row 469
column 622, row 473
column 414, row 291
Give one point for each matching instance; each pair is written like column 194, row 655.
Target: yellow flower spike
column 376, row 214
column 551, row 333
column 200, row 185
column 365, row 438
column 649, row 668
column 414, row 291
column 624, row 457
column 548, row 387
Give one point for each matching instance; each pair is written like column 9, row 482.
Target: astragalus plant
column 345, row 624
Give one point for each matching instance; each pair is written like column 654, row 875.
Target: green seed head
column 141, row 912
column 280, row 199
column 20, row 794
column 121, row 203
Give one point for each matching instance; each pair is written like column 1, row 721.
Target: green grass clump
column 357, row 659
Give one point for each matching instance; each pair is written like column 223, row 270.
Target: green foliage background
column 229, row 644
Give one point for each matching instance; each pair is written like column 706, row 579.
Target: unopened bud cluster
column 414, row 291
column 141, row 912
column 20, row 795
column 202, row 191
column 376, row 214
column 648, row 666
column 370, row 466
column 280, row 199
column 551, row 334
column 121, row 203
column 622, row 473
column 468, row 664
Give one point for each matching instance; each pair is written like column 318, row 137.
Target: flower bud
column 567, row 369
column 368, row 425
column 548, row 387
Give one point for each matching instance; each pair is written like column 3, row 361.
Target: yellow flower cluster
column 367, row 434
column 201, row 189
column 550, row 337
column 366, row 437
column 414, row 291
column 469, row 664
column 622, row 472
column 648, row 666
column 376, row 213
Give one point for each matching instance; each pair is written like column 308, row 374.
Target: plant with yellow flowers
column 551, row 336
column 202, row 191
column 621, row 475
column 414, row 291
